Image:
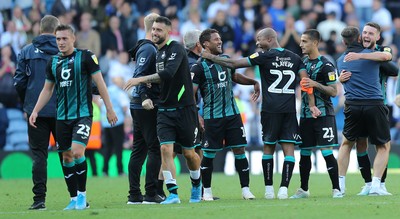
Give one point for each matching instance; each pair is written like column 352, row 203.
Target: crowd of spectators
column 110, row 28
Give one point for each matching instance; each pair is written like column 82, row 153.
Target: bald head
column 149, row 20
column 267, row 39
column 268, row 33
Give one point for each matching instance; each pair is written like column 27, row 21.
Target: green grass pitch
column 107, row 197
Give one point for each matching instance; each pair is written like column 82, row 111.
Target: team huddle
column 168, row 82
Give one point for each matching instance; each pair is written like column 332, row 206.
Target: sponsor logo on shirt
column 142, row 60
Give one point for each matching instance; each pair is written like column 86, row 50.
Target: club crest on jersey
column 95, row 59
column 254, row 55
column 172, row 57
column 387, row 49
column 142, row 60
column 163, row 55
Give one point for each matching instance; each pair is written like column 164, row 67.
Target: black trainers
column 135, row 199
column 87, row 205
column 38, row 205
column 153, row 199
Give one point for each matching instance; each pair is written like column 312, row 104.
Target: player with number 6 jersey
column 222, row 121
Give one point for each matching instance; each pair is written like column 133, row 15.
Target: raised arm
column 227, row 62
column 374, row 56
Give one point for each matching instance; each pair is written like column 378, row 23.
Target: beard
column 158, row 40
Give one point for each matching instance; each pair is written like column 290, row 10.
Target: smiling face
column 159, row 33
column 262, row 41
column 215, row 44
column 65, row 41
column 369, row 37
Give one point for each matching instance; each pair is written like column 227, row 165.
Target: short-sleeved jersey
column 279, row 71
column 73, row 83
column 322, row 71
column 176, row 83
column 215, row 84
column 365, row 82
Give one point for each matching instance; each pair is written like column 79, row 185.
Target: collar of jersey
column 75, row 50
column 279, row 49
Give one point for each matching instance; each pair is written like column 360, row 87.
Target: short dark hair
column 48, row 24
column 164, row 20
column 374, row 25
column 62, row 27
column 350, row 35
column 313, row 34
column 206, row 35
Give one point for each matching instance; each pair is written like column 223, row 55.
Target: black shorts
column 364, row 132
column 280, row 127
column 371, row 121
column 224, row 132
column 318, row 133
column 178, row 126
column 77, row 131
column 199, row 141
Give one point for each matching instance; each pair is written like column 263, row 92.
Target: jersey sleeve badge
column 332, row 76
column 387, row 49
column 95, row 59
column 254, row 55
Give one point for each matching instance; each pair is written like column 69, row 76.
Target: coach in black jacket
column 29, row 80
column 144, row 101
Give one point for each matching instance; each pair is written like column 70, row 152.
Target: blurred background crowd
column 110, row 28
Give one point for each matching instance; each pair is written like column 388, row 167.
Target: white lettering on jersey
column 142, row 60
column 283, row 63
column 38, row 50
column 65, row 74
column 160, row 66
